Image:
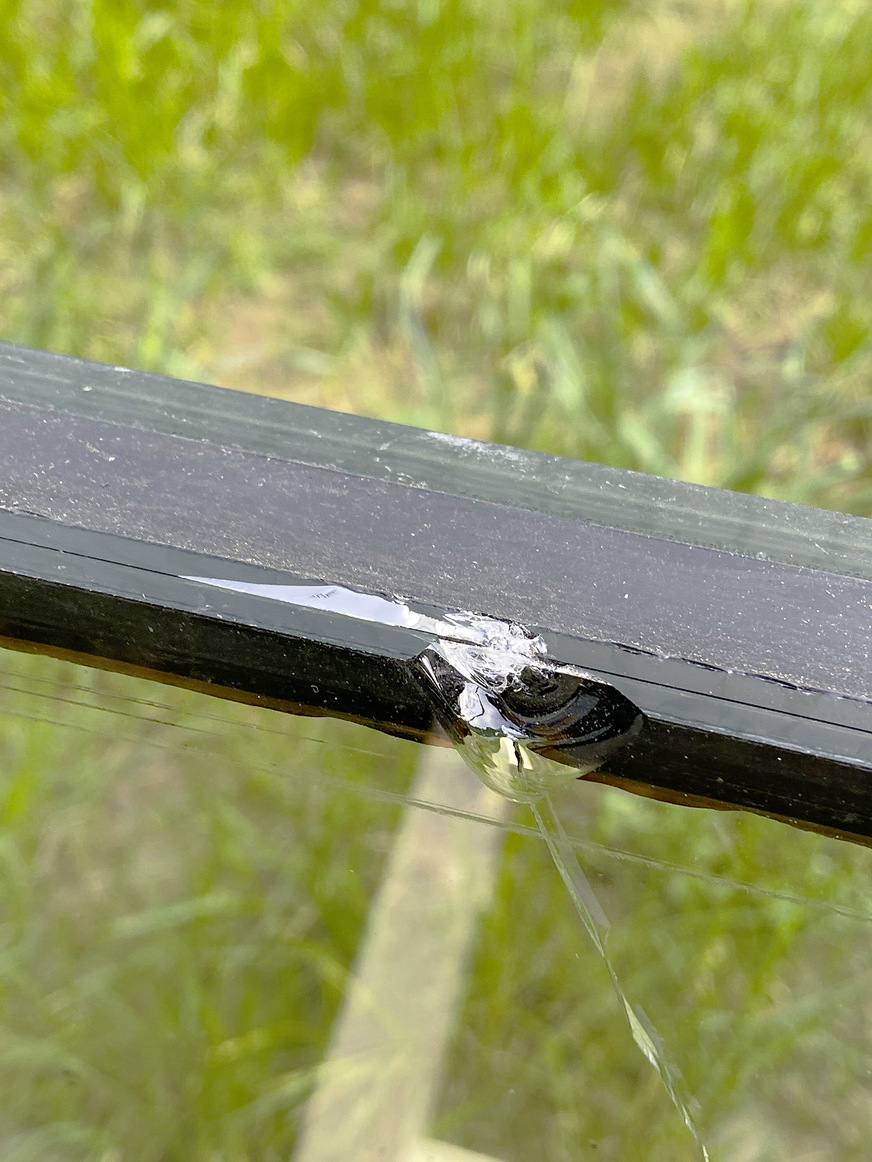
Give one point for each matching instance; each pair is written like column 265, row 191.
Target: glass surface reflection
column 227, row 933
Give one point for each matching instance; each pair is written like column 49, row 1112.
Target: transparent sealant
column 525, row 724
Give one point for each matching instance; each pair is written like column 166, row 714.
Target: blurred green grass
column 633, row 233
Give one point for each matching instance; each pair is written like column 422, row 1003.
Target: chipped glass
column 523, row 721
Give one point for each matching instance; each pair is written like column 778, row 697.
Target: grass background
column 633, row 233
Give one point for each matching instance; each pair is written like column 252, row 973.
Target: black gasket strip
column 753, row 673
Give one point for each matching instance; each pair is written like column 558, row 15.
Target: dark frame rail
column 739, row 626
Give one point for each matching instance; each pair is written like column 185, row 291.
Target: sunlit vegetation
column 638, row 234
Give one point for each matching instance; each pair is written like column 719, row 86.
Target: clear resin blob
column 524, row 723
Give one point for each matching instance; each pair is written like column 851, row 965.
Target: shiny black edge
column 720, row 738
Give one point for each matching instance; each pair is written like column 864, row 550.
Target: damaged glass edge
column 525, row 724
